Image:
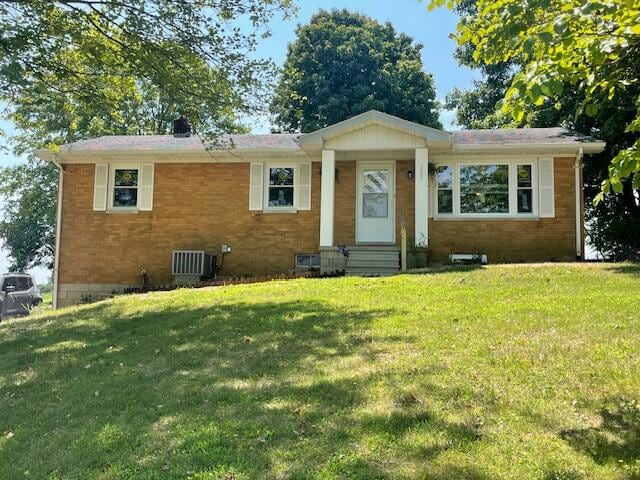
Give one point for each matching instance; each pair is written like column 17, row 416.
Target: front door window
column 375, row 194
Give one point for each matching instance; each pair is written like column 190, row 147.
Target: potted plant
column 418, row 254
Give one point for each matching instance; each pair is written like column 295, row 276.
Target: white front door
column 375, row 203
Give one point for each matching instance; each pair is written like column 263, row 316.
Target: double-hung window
column 486, row 189
column 525, row 188
column 125, row 187
column 280, row 191
column 283, row 187
column 445, row 189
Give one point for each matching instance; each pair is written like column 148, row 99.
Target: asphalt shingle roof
column 516, row 136
column 520, row 136
column 194, row 142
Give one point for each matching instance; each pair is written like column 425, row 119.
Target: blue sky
column 431, row 29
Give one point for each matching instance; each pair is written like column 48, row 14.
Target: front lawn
column 505, row 372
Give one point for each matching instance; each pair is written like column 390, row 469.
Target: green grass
column 506, row 372
column 47, row 303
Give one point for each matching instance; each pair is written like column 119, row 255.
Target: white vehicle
column 18, row 294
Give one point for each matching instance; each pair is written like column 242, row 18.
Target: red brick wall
column 345, row 203
column 201, row 206
column 196, row 206
column 547, row 239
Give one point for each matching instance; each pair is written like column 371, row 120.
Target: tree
column 143, row 38
column 342, row 64
column 29, row 213
column 476, row 107
column 613, row 223
column 43, row 115
column 76, row 69
column 592, row 45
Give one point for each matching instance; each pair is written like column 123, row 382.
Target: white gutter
column 589, row 147
column 577, row 171
column 56, row 261
column 173, row 156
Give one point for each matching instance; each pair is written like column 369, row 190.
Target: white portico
column 376, row 141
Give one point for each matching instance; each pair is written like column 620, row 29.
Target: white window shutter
column 304, row 186
column 100, row 187
column 145, row 188
column 546, row 195
column 255, row 186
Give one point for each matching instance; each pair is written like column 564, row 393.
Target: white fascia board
column 373, row 116
column 589, row 147
column 179, row 156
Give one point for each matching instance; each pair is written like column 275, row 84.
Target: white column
column 327, row 197
column 421, row 175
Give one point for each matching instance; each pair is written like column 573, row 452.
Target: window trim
column 112, row 186
column 513, row 163
column 438, row 189
column 265, row 194
column 533, row 189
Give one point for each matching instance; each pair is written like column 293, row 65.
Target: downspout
column 56, row 260
column 578, row 177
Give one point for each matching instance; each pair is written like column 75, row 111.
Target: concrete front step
column 371, row 271
column 373, row 254
column 373, row 260
column 374, row 248
column 373, row 263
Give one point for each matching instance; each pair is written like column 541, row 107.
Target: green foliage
column 614, row 223
column 74, row 70
column 342, row 64
column 193, row 46
column 593, row 45
column 497, row 373
column 27, row 226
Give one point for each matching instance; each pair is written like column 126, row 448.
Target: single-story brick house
column 282, row 201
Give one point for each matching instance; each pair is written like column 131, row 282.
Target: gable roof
column 560, row 139
column 374, row 116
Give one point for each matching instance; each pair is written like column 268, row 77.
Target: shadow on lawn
column 626, row 268
column 228, row 390
column 615, row 440
column 446, row 268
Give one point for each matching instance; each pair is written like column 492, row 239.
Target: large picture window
column 281, row 187
column 484, row 189
column 125, row 188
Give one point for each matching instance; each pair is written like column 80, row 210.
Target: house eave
column 173, row 156
column 568, row 148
